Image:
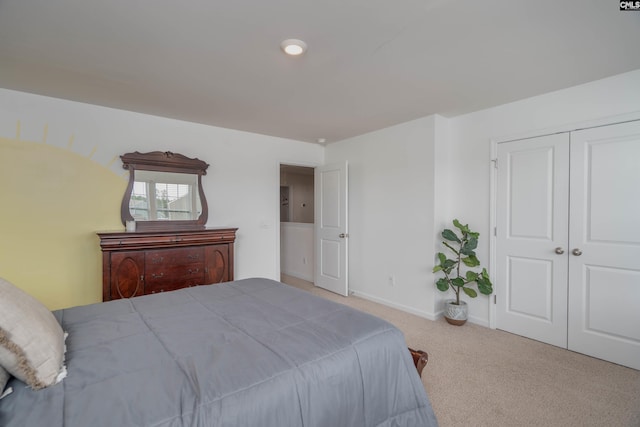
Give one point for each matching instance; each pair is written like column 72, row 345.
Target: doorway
column 297, row 204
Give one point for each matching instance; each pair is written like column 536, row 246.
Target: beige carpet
column 477, row 376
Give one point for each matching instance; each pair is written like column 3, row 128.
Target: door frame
column 493, row 179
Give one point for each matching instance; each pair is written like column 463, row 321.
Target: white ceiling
column 370, row 63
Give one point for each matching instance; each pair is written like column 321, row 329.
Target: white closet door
column 532, row 230
column 604, row 259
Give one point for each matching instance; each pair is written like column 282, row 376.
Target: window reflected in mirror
column 164, row 196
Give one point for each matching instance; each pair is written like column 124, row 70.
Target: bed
column 252, row 352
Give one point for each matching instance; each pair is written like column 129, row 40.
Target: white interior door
column 331, row 234
column 604, row 260
column 531, row 238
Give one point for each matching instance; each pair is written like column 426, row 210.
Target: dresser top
column 128, row 240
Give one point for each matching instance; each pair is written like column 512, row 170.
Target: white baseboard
column 401, row 307
column 478, row 321
column 431, row 316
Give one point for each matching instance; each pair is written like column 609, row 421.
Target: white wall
column 297, row 252
column 391, row 213
column 471, row 135
column 409, row 181
column 243, row 179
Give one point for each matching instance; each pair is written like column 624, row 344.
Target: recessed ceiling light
column 321, row 140
column 293, row 47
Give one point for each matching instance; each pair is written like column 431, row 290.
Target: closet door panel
column 532, row 209
column 604, row 262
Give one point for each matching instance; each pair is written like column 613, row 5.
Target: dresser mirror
column 164, row 191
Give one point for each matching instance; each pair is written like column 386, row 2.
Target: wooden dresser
column 147, row 262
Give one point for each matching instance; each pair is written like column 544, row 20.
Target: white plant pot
column 456, row 314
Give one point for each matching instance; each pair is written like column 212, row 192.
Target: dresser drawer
column 170, row 269
column 173, row 277
column 160, row 257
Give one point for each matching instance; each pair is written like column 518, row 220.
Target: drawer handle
column 190, row 271
column 157, row 276
column 191, row 256
column 157, row 260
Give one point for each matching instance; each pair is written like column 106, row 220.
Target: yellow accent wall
column 52, row 202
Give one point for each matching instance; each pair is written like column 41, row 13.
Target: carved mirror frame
column 163, row 161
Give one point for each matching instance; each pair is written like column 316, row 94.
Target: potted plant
column 462, row 245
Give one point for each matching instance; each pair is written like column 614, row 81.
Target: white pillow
column 31, row 339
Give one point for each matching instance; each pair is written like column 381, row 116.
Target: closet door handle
column 559, row 250
column 576, row 252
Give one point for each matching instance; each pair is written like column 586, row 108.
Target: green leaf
column 450, row 235
column 458, row 281
column 442, row 284
column 442, row 257
column 472, row 243
column 467, row 252
column 471, row 261
column 471, row 276
column 470, row 292
column 437, row 268
column 463, row 228
column 469, row 246
column 484, row 286
column 449, row 264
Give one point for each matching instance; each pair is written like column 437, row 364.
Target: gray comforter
column 253, row 352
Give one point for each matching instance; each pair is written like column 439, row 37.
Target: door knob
column 576, row 252
column 559, row 250
column 343, row 235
